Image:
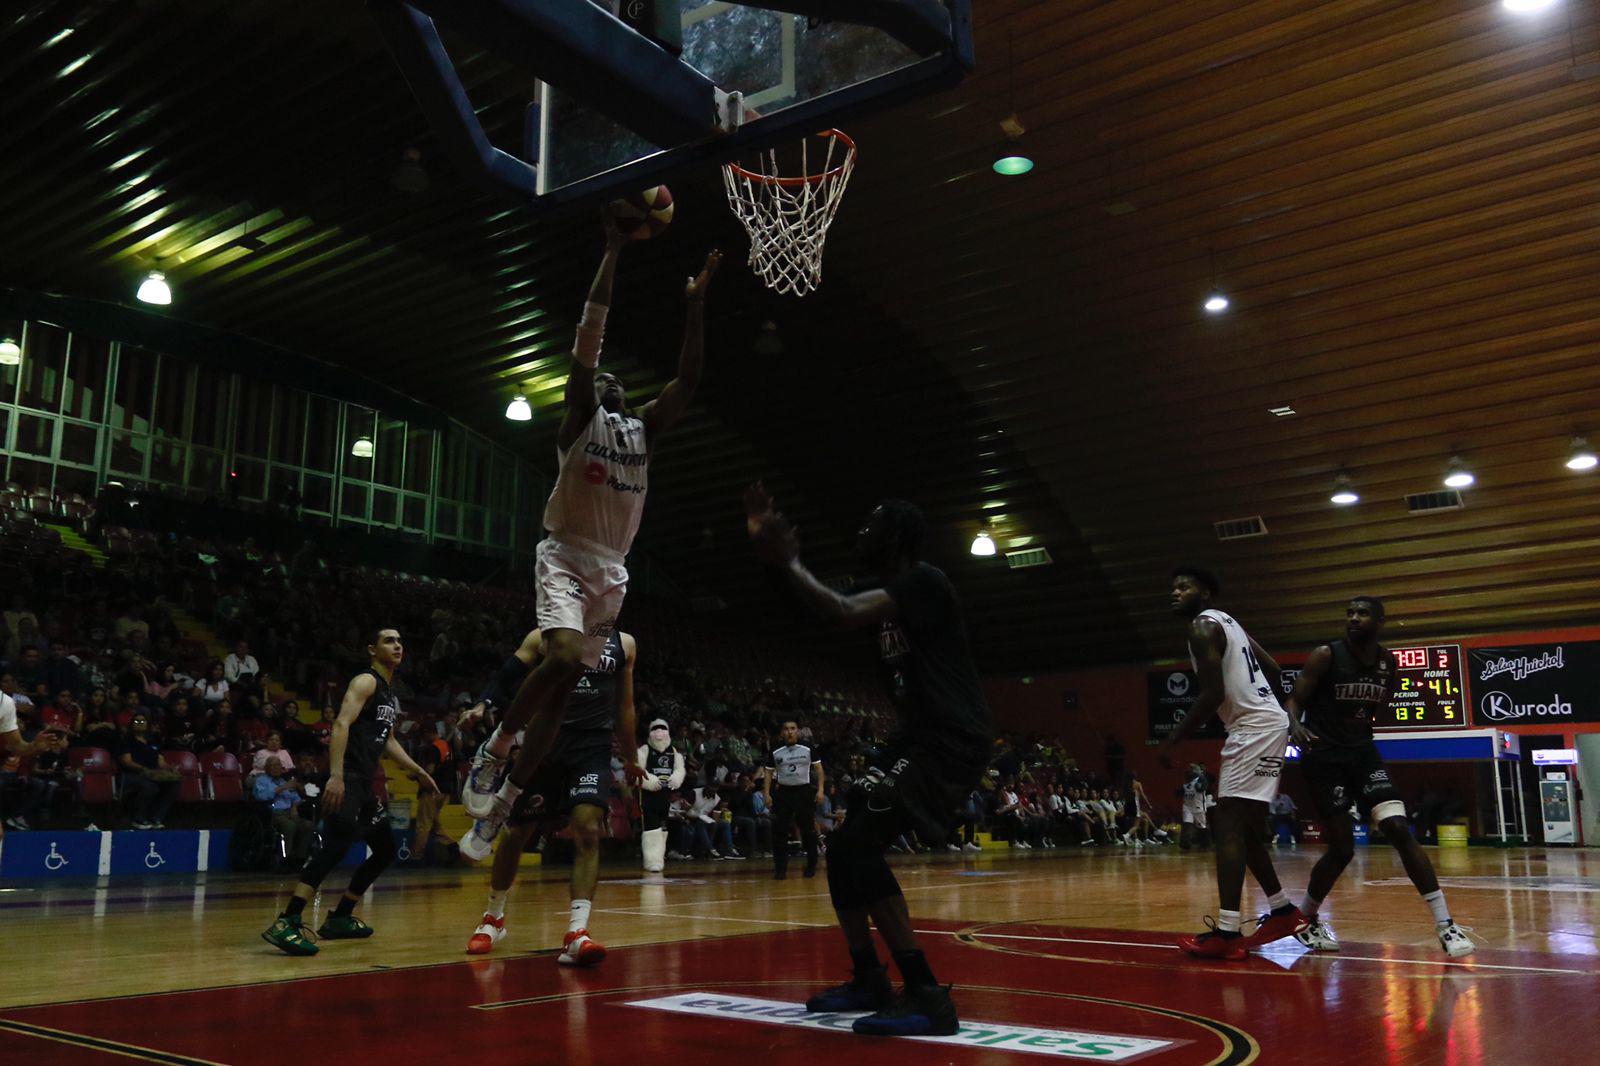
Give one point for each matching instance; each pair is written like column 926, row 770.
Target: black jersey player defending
column 351, row 810
column 1341, row 685
column 930, row 766
column 573, row 781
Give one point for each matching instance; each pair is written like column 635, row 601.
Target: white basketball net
column 787, row 218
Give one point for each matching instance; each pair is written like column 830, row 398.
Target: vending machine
column 1558, row 800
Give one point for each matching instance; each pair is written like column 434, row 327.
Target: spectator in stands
column 1008, row 813
column 61, row 672
column 45, row 777
column 831, row 811
column 159, row 688
column 16, row 613
column 240, row 669
column 281, row 793
column 230, row 612
column 63, row 715
column 323, row 730
column 129, row 709
column 129, row 622
column 148, row 783
column 27, row 668
column 215, row 687
column 272, row 751
column 1284, row 820
column 751, row 824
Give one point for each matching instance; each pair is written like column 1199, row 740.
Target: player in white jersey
column 1238, row 683
column 603, row 457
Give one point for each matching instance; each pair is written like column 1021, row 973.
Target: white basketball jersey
column 1248, row 704
column 600, row 485
column 8, row 714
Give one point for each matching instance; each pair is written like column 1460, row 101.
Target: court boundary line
column 100, row 1043
column 1331, row 957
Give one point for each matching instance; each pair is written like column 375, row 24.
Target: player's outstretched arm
column 1305, row 686
column 393, row 749
column 579, row 398
column 777, row 542
column 661, row 413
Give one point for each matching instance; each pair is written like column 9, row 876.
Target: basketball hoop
column 787, row 218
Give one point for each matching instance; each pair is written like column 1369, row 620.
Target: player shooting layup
column 603, row 455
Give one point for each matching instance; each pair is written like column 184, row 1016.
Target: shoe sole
column 474, row 948
column 593, row 957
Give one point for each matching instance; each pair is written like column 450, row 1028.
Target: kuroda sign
column 1536, row 684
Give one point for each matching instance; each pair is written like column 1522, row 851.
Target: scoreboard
column 1428, row 690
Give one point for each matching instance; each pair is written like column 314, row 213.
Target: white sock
column 509, row 791
column 578, row 917
column 1278, row 899
column 499, row 742
column 1309, row 906
column 497, row 904
column 1228, row 921
column 1436, row 904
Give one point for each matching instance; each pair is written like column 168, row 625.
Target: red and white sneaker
column 1276, row 926
column 490, row 933
column 579, row 949
column 1214, row 944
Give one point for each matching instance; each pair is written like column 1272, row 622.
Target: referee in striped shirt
column 799, row 778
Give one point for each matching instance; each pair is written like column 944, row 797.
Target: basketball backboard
column 791, row 74
column 618, row 108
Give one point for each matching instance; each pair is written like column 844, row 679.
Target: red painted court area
column 1026, row 992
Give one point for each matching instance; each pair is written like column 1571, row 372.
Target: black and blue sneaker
column 923, row 1011
column 868, row 990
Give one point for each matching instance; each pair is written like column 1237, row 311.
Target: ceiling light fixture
column 1527, row 7
column 362, row 448
column 1457, row 475
column 1010, row 160
column 1344, row 493
column 1282, row 410
column 10, row 352
column 154, row 289
column 1216, row 303
column 1582, row 457
column 983, row 544
column 518, row 409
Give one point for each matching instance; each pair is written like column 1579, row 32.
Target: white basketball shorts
column 1252, row 765
column 580, row 590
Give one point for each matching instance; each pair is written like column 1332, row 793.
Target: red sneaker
column 490, row 933
column 1214, row 944
column 579, row 949
column 1277, row 926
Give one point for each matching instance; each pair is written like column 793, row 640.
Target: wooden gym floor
column 1065, row 954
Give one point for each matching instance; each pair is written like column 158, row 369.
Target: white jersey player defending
column 603, row 455
column 1238, row 682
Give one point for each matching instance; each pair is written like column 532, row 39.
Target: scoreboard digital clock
column 1428, row 691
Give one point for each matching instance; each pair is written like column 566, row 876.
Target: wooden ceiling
column 1398, row 197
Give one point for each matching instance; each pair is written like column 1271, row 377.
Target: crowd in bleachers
column 184, row 672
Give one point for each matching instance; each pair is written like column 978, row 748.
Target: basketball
column 643, row 215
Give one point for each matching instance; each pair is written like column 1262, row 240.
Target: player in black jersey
column 351, row 810
column 1337, row 691
column 931, row 765
column 573, row 780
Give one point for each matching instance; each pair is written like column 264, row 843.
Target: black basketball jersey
column 369, row 733
column 593, row 704
column 660, row 764
column 1340, row 710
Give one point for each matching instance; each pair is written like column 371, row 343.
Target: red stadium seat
column 98, row 783
column 224, row 777
column 190, row 788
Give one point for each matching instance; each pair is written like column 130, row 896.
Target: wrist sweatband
column 591, row 330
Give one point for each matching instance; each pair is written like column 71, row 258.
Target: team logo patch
column 1027, row 1039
